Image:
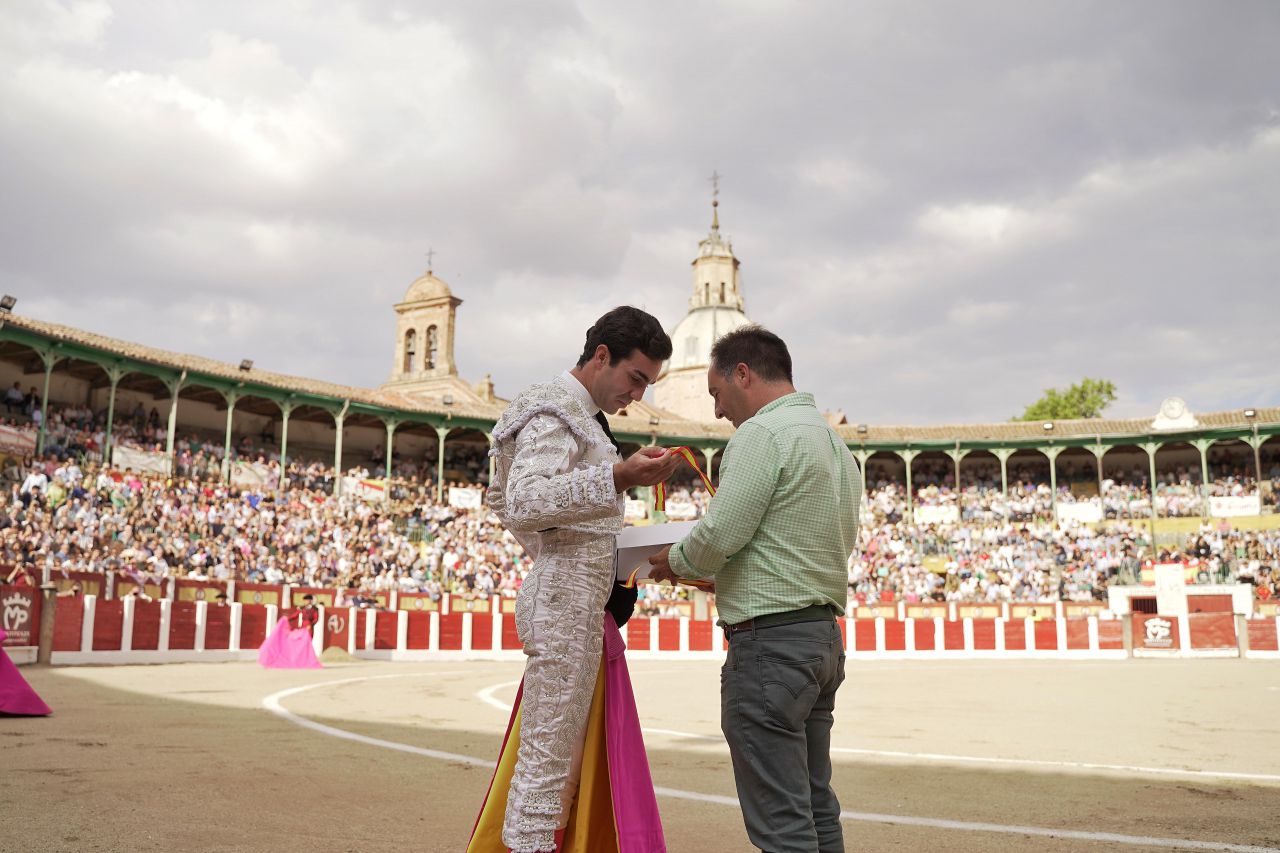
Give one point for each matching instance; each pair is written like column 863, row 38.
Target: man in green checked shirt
column 776, row 540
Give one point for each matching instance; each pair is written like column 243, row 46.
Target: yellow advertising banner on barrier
column 258, row 596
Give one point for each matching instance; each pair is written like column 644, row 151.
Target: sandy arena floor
column 955, row 756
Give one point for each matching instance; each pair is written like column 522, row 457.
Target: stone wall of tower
column 422, row 317
column 716, row 281
column 684, row 393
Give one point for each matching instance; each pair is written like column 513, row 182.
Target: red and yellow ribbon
column 660, row 491
column 660, row 504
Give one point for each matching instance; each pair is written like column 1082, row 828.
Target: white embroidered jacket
column 553, row 468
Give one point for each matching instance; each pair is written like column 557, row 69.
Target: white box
column 634, row 545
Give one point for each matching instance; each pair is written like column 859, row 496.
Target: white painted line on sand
column 273, row 704
column 487, row 697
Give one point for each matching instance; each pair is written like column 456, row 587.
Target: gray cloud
column 945, row 208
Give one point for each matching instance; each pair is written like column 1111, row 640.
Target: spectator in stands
column 13, row 399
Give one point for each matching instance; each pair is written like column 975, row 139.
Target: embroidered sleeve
column 541, row 494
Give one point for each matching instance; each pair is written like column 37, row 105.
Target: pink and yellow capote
column 616, row 809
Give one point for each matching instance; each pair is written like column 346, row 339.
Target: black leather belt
column 812, row 613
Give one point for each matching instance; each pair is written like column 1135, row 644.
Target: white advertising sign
column 1085, row 512
column 937, row 514
column 1233, row 507
column 464, row 497
column 139, row 460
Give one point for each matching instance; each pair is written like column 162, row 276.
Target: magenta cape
column 615, row 809
column 288, row 648
column 17, row 699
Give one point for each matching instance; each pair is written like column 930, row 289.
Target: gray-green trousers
column 777, row 692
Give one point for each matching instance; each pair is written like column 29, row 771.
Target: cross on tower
column 715, row 189
column 431, row 253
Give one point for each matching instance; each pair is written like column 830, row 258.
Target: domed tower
column 425, row 323
column 715, row 308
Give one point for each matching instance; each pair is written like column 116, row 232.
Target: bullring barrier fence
column 91, row 629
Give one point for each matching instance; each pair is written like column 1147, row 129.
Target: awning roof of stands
column 86, row 355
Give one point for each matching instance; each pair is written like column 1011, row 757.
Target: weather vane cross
column 715, row 188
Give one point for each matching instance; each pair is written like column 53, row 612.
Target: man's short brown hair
column 756, row 347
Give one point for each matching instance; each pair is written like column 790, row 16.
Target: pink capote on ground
column 288, row 648
column 17, row 699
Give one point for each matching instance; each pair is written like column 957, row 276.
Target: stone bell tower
column 715, row 308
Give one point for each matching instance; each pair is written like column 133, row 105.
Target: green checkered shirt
column 778, row 534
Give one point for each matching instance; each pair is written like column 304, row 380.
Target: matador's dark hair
column 624, row 330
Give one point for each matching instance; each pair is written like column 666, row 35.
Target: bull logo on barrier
column 17, row 612
column 1159, row 632
column 336, row 624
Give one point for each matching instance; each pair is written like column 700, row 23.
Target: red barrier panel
column 984, row 635
column 336, row 622
column 1213, row 630
column 1047, row 635
column 108, row 626
column 259, row 593
column 701, row 635
column 68, row 620
column 925, row 636
column 1156, row 633
column 895, row 635
column 668, row 635
column 1077, row 633
column 864, row 635
column 185, row 590
column 419, row 634
column 182, row 625
column 253, row 625
column 20, row 615
column 217, row 627
column 384, row 629
column 1263, row 636
column 953, row 636
column 482, row 631
column 1110, row 634
column 843, row 622
column 358, row 618
column 1200, row 603
column 146, row 625
column 451, row 631
column 638, row 634
column 511, row 637
column 1015, row 635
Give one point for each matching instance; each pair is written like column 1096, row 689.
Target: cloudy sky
column 944, row 207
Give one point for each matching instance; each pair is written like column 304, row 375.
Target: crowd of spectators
column 66, row 511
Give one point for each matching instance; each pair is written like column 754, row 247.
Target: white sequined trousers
column 559, row 617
